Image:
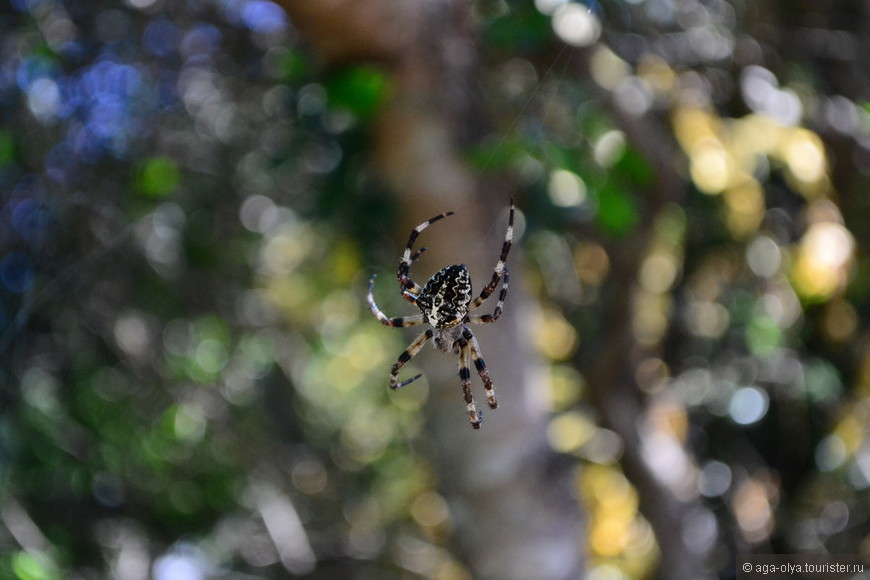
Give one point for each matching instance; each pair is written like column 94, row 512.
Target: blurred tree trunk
column 513, row 500
column 685, row 529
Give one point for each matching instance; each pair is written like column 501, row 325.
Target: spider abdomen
column 445, row 298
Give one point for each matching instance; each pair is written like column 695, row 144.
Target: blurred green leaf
column 28, row 567
column 634, row 167
column 617, row 210
column 360, row 90
column 292, row 65
column 822, row 381
column 7, row 148
column 157, row 177
column 521, row 27
column 763, row 336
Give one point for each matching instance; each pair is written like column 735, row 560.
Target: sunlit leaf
column 30, row 567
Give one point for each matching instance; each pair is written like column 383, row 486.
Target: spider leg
column 499, row 266
column 465, row 380
column 418, row 253
column 410, row 289
column 412, row 295
column 474, row 349
column 406, row 356
column 488, row 318
column 386, row 320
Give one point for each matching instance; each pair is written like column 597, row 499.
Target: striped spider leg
column 445, row 303
column 410, row 289
column 465, row 382
column 490, row 318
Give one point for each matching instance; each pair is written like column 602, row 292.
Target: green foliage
column 632, row 167
column 618, row 205
column 360, row 90
column 617, row 211
column 27, row 566
column 293, row 65
column 157, row 177
column 7, row 148
column 515, row 26
column 763, row 336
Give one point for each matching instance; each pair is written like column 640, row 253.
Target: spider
column 445, row 304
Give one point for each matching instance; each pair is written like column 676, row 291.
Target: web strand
column 563, row 57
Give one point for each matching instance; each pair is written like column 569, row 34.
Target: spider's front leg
column 410, row 289
column 499, row 266
column 465, row 380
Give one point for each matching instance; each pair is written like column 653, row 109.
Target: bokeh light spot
column 708, row 319
column 566, row 188
column 823, row 257
column 259, row 214
column 763, row 256
column 711, row 167
column 658, row 272
column 132, row 334
column 748, row 405
column 715, row 479
column 429, row 509
column 805, row 155
column 746, row 206
column 211, row 356
column 569, row 431
column 609, row 148
column 555, row 337
column 43, row 99
column 763, row 334
column 576, row 25
column 831, row 453
column 264, row 17
column 607, row 69
column 751, row 506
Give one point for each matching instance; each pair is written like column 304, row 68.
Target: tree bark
column 610, row 363
column 511, row 497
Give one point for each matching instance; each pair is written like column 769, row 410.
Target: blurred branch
column 616, row 396
column 380, row 30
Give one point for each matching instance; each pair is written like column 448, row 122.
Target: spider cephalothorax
column 445, row 304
